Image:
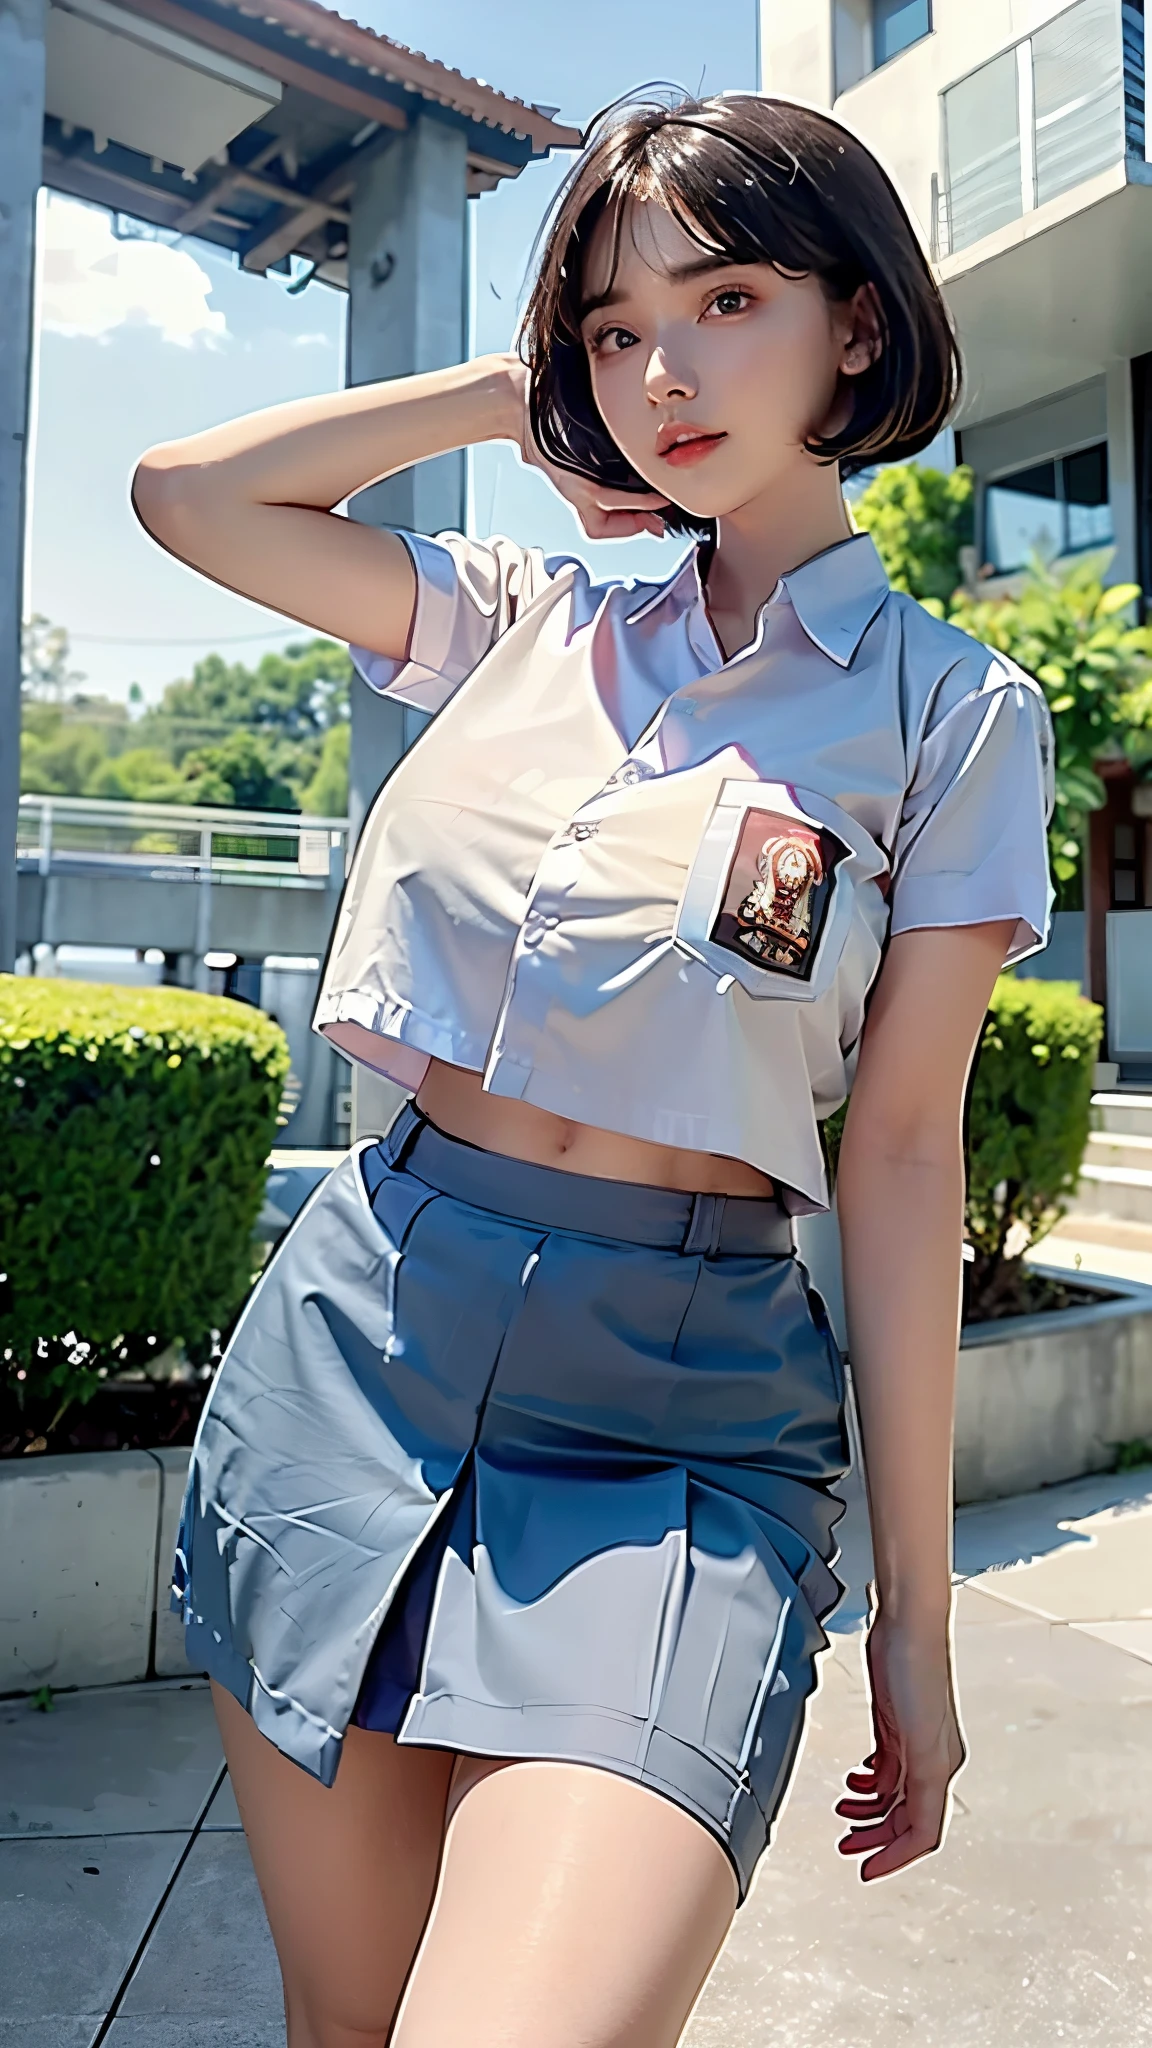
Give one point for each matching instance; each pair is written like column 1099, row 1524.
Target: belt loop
column 705, row 1224
column 402, row 1133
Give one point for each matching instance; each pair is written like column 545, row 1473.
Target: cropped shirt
column 649, row 888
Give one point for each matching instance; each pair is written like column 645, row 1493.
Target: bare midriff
column 454, row 1100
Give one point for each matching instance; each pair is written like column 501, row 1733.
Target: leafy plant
column 1070, row 631
column 920, row 519
column 135, row 1125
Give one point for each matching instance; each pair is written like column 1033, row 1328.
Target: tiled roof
column 322, row 28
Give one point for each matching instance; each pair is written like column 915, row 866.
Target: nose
column 665, row 381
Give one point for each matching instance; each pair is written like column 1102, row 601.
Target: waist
column 555, row 1199
column 454, row 1100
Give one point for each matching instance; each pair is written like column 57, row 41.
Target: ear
column 861, row 331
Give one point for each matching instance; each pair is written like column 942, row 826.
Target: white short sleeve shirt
column 649, row 889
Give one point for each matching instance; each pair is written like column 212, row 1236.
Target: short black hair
column 752, row 179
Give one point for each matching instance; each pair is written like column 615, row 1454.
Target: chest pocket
column 773, row 888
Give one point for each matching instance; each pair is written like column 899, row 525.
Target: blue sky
column 140, row 342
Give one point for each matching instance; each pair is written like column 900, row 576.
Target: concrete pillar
column 406, row 312
column 407, row 291
column 1122, row 473
column 22, row 24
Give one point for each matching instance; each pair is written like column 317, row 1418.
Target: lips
column 693, row 448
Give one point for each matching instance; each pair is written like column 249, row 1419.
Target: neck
column 760, row 541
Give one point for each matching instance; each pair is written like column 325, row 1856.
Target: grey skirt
column 519, row 1463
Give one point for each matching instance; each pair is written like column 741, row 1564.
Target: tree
column 1069, row 630
column 44, row 658
column 254, row 738
column 327, row 794
column 239, row 773
column 919, row 519
column 295, row 695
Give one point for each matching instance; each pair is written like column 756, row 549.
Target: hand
column 901, row 1808
column 605, row 514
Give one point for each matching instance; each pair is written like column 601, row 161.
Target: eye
column 611, row 340
column 732, row 298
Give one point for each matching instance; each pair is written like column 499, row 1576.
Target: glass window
column 896, row 24
column 1078, row 72
column 1054, row 508
column 982, row 130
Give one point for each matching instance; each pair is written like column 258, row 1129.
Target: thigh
column 575, row 1909
column 347, row 1872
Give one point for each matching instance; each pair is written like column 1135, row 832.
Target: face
column 709, row 376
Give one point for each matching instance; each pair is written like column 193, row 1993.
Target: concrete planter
column 1048, row 1397
column 86, row 1548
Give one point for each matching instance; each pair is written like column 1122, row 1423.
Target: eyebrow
column 677, row 273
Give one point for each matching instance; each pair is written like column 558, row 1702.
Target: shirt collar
column 836, row 595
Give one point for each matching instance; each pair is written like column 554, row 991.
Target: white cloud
column 312, row 341
column 93, row 284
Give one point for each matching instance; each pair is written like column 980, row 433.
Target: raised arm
column 250, row 504
column 900, row 1196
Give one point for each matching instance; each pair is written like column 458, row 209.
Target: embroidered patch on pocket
column 776, row 892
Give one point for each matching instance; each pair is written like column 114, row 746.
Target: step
column 1108, row 1231
column 1123, row 1110
column 1123, row 1192
column 1126, row 1149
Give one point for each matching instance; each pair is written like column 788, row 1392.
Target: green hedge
column 1028, row 1125
column 135, row 1125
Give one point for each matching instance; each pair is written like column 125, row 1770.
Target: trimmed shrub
column 135, row 1125
column 1028, row 1127
column 1028, row 1122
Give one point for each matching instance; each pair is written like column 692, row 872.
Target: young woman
column 510, row 1529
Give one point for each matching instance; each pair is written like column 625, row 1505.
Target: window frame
column 1056, row 456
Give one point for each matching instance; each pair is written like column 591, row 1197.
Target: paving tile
column 1103, row 1572
column 1133, row 1636
column 211, row 1957
column 1032, row 1927
column 58, row 2031
column 1034, row 1525
column 223, row 1816
column 72, row 1915
column 118, row 1760
column 170, row 2032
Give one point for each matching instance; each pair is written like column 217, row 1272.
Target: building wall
column 896, row 109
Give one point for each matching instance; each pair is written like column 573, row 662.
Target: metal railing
column 198, row 842
column 1043, row 116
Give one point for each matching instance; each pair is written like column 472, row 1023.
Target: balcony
column 1052, row 113
column 1041, row 217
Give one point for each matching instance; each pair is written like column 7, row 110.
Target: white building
column 1016, row 132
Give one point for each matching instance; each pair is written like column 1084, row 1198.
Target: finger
column 864, row 1809
column 861, row 1841
column 907, row 1848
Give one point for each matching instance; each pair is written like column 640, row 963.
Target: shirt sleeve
column 972, row 844
column 468, row 592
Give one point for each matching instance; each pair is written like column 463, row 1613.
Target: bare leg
column 574, row 1910
column 347, row 1874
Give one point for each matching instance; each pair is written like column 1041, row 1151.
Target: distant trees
column 273, row 737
